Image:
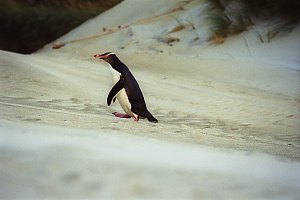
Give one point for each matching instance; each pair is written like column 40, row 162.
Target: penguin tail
column 150, row 118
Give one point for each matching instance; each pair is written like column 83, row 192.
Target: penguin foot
column 136, row 119
column 120, row 115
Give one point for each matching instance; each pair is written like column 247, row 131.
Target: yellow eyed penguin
column 126, row 90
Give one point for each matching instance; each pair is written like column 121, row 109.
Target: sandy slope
column 41, row 162
column 205, row 107
column 233, row 96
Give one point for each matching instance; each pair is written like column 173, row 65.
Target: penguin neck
column 115, row 74
column 117, row 65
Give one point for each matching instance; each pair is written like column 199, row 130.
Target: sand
column 42, row 162
column 228, row 114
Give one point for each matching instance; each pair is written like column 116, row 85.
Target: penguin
column 126, row 90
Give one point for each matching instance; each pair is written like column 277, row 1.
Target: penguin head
column 108, row 57
column 113, row 61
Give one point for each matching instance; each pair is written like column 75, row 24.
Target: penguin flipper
column 114, row 91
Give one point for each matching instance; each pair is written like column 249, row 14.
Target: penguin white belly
column 122, row 96
column 124, row 102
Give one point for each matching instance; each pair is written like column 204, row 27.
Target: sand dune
column 221, row 110
column 41, row 162
column 236, row 104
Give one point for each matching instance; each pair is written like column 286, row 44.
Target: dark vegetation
column 228, row 17
column 27, row 25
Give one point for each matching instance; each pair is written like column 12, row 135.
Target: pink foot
column 136, row 119
column 120, row 115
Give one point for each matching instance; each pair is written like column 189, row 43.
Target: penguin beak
column 99, row 56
